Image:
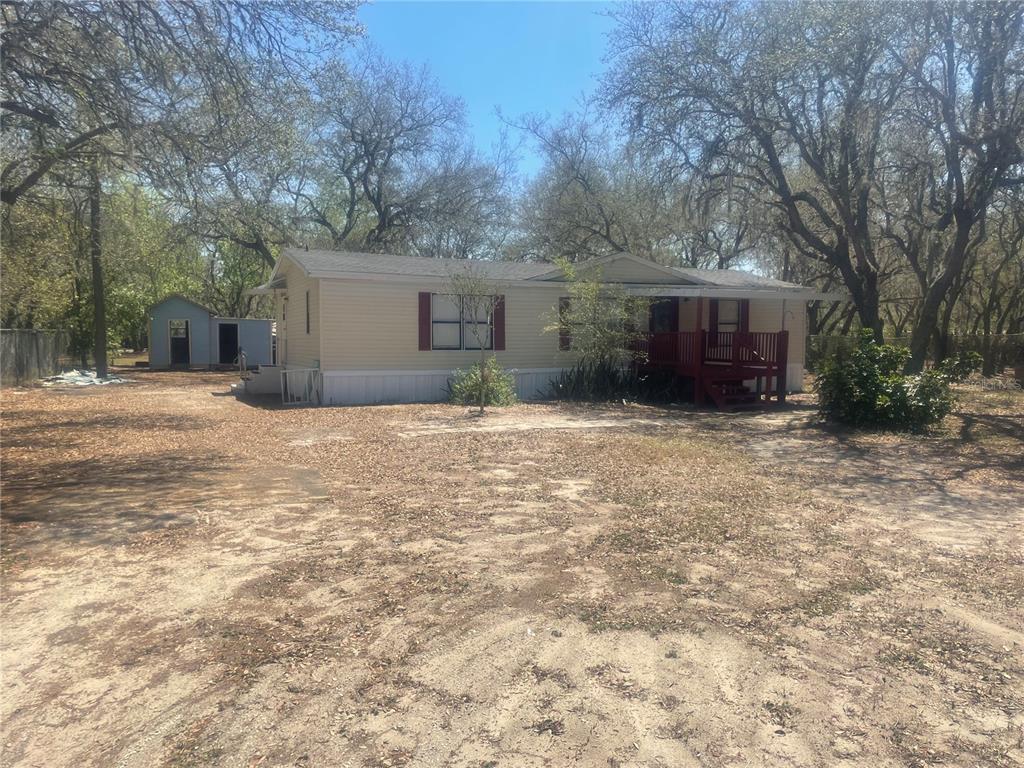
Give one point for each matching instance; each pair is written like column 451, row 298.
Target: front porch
column 734, row 368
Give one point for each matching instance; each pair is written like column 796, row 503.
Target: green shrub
column 867, row 387
column 960, row 366
column 499, row 385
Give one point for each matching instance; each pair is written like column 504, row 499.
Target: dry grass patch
column 191, row 580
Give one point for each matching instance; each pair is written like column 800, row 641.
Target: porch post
column 698, row 355
column 783, row 359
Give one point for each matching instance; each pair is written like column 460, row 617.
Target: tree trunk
column 812, row 318
column 98, row 300
column 863, row 287
column 943, row 341
column 988, row 353
column 868, row 307
column 927, row 320
column 988, row 359
column 483, row 378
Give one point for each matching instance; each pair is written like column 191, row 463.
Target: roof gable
column 178, row 297
column 625, row 268
column 731, row 278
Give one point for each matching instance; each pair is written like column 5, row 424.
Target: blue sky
column 519, row 56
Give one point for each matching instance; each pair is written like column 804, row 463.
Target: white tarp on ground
column 75, row 378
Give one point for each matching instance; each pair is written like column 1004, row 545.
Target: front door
column 665, row 315
column 179, row 333
column 227, row 334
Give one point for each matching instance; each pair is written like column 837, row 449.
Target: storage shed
column 183, row 333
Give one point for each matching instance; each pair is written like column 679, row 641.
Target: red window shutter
column 564, row 332
column 499, row 323
column 744, row 315
column 713, row 316
column 424, row 321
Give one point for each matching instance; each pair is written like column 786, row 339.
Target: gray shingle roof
column 324, row 262
column 344, row 263
column 731, row 278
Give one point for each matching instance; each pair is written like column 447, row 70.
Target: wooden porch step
column 732, row 395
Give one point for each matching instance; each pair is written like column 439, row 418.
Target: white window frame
column 467, row 339
column 728, row 326
column 434, row 323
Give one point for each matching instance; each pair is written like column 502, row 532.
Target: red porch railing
column 684, row 348
column 742, row 348
column 689, row 351
column 717, row 361
column 675, row 349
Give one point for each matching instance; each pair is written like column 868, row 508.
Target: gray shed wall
column 254, row 336
column 159, row 332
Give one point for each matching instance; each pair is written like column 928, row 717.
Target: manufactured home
column 183, row 333
column 358, row 328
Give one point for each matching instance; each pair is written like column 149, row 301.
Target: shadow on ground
column 107, row 501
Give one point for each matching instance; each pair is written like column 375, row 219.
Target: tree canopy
column 870, row 148
column 879, row 134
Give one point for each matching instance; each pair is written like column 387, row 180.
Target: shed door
column 227, row 337
column 179, row 333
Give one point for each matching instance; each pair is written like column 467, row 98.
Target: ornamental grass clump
column 866, row 387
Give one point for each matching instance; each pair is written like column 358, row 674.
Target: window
column 453, row 327
column 179, row 329
column 728, row 315
column 477, row 331
column 307, row 311
column 564, row 331
column 445, row 321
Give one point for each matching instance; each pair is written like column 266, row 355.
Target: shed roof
column 179, row 297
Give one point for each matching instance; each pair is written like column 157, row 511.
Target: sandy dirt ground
column 189, row 580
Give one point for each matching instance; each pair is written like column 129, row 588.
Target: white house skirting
column 795, row 377
column 373, row 387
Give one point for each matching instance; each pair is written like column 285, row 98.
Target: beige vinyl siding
column 767, row 315
column 302, row 350
column 374, row 326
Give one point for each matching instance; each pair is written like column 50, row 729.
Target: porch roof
column 268, row 288
column 782, row 291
